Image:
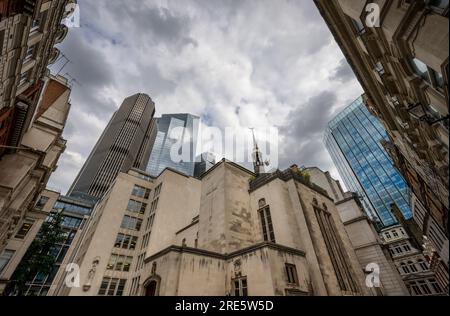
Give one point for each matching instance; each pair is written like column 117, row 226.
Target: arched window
column 150, row 289
column 405, row 268
column 183, row 243
column 152, row 285
column 262, row 203
column 423, row 265
column 315, row 201
column 266, row 224
column 412, row 266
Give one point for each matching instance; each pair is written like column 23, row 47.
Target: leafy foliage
column 305, row 175
column 39, row 257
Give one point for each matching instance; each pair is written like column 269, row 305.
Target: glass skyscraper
column 176, row 132
column 353, row 139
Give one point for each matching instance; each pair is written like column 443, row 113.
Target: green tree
column 39, row 257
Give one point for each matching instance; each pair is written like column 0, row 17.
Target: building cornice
column 286, row 176
column 230, row 256
column 357, row 219
column 187, row 227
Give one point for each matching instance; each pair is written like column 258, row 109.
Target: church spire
column 258, row 163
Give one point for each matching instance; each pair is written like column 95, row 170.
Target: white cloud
column 239, row 63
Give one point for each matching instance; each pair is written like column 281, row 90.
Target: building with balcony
column 402, row 61
column 228, row 233
column 24, row 174
column 29, row 30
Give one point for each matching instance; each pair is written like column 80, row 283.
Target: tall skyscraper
column 353, row 139
column 126, row 142
column 174, row 131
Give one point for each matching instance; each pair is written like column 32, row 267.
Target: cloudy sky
column 235, row 63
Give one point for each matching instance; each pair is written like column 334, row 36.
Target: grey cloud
column 312, row 117
column 343, row 72
column 188, row 55
column 303, row 133
column 150, row 24
column 91, row 71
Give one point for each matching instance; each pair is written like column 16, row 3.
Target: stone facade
column 228, row 233
column 25, row 173
column 403, row 68
column 29, row 30
column 368, row 246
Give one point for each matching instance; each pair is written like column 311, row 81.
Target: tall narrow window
column 291, row 272
column 240, row 287
column 266, row 223
column 339, row 257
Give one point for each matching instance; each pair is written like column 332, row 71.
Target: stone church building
column 229, row 233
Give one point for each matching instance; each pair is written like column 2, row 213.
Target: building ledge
column 195, row 222
column 356, row 219
column 285, row 176
column 212, row 254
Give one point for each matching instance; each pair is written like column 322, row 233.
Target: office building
column 353, row 139
column 175, row 145
column 126, row 142
column 75, row 212
column 402, row 63
column 18, row 244
column 227, row 233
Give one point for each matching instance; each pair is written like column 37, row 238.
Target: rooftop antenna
column 258, row 163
